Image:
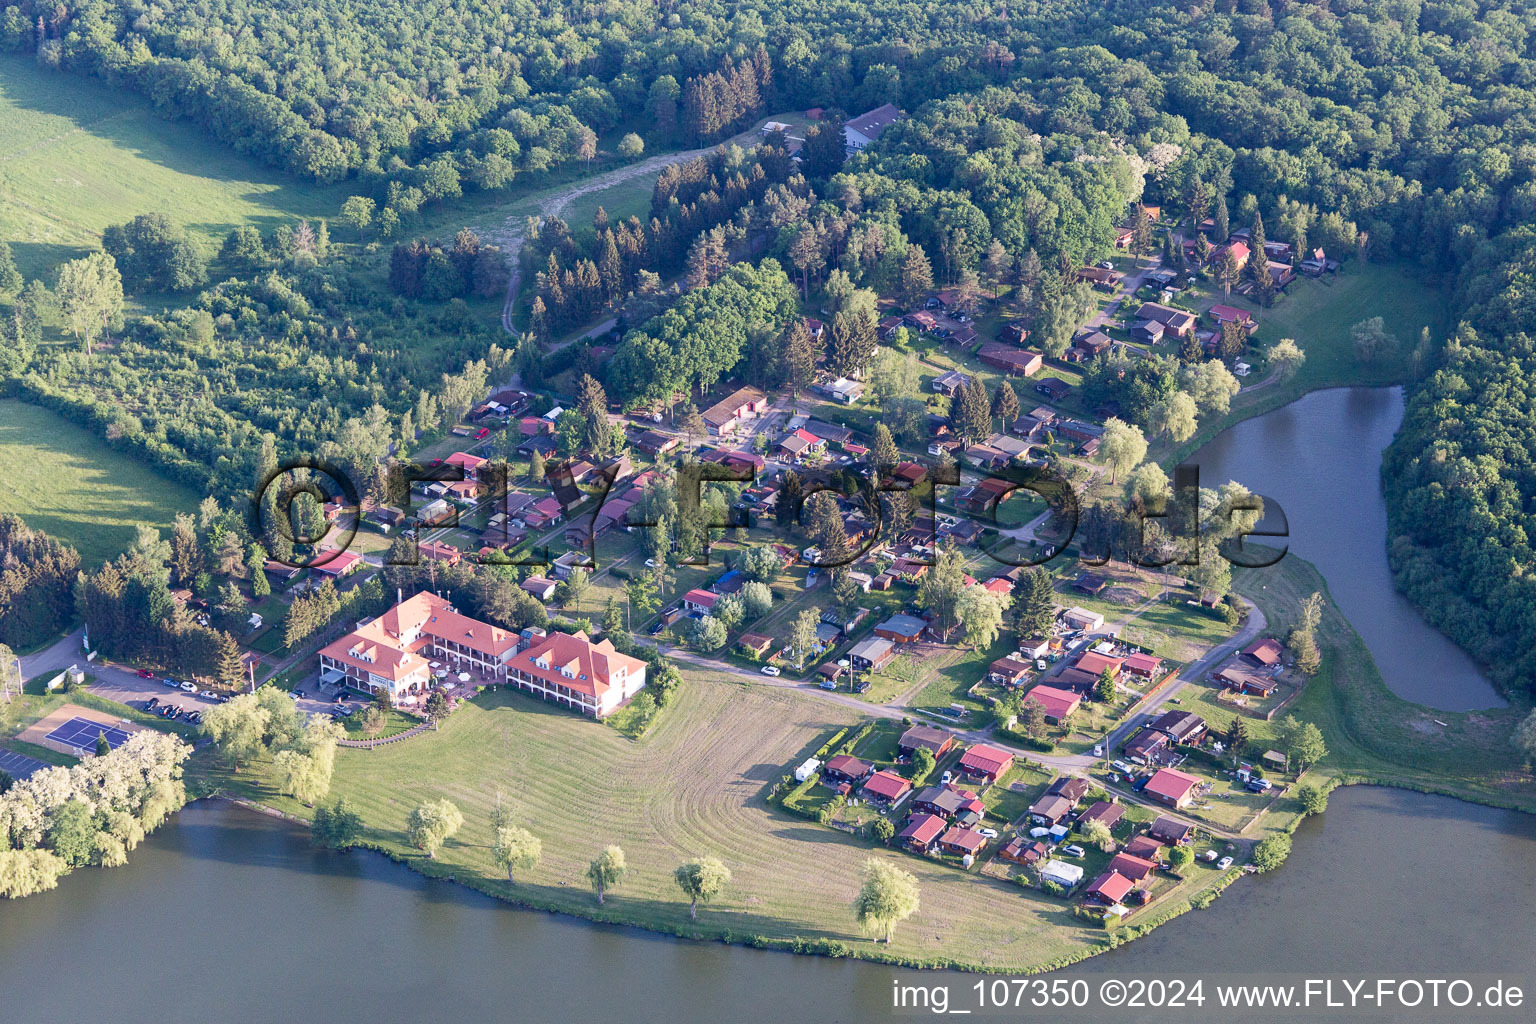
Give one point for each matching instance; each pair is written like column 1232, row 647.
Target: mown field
column 693, row 786
column 76, row 157
column 64, row 480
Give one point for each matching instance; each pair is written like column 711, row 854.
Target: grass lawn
column 1319, row 314
column 77, row 156
column 66, row 481
column 694, row 785
column 1374, row 735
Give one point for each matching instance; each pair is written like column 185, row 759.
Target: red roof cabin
column 986, row 762
column 922, row 831
column 1171, row 787
column 1266, row 652
column 846, row 768
column 1058, row 704
column 1134, row 868
column 885, row 788
column 1109, row 888
column 1095, row 664
column 1144, row 666
column 700, row 600
column 962, row 841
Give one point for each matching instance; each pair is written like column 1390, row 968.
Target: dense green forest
column 1399, row 129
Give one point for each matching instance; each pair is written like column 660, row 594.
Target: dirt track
column 514, row 231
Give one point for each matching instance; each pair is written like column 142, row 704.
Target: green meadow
column 76, row 156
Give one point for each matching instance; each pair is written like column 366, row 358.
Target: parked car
column 154, row 702
column 145, row 673
column 1259, row 785
column 770, row 670
column 482, row 433
column 947, row 778
column 987, row 833
column 1039, row 833
column 1106, row 265
column 167, row 711
column 1120, row 766
column 189, row 687
column 170, row 682
column 1224, row 863
column 1073, row 851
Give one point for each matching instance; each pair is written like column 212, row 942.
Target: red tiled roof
column 1171, row 784
column 967, row 839
column 1097, row 663
column 1132, row 867
column 923, row 828
column 1057, row 703
column 985, row 759
column 702, row 598
column 575, row 662
column 1266, row 651
column 1144, row 664
column 1111, row 886
column 886, row 785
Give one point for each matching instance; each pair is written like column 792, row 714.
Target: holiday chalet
column 394, row 651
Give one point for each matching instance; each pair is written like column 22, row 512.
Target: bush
column 1271, row 852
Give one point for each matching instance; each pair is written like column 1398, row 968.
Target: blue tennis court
column 18, row 766
column 82, row 733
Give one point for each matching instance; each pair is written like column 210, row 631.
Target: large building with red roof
column 395, row 652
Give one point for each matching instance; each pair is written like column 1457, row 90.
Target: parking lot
column 126, row 688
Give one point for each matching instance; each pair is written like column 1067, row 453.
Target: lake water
column 1320, row 458
column 230, row 916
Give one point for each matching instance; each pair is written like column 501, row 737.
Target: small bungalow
column 1147, row 746
column 948, row 802
column 1177, row 322
column 1143, row 666
column 801, row 445
column 1169, row 831
column 901, row 628
column 1013, row 333
column 922, row 831
column 936, row 741
column 1013, row 362
column 654, row 442
column 1145, row 847
column 1231, row 315
column 1134, row 868
column 1009, row 671
column 1109, row 889
column 1050, row 810
column 885, row 788
column 1058, row 704
column 1147, row 332
column 1234, row 674
column 950, row 382
column 756, row 644
column 962, row 842
column 1266, row 652
column 1053, row 388
column 1097, row 664
column 847, row 768
column 1023, row 850
column 539, row 587
column 1171, row 787
column 1181, row 726
column 1102, row 811
column 986, row 762
column 1081, row 618
column 700, row 600
column 338, row 563
column 872, row 654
